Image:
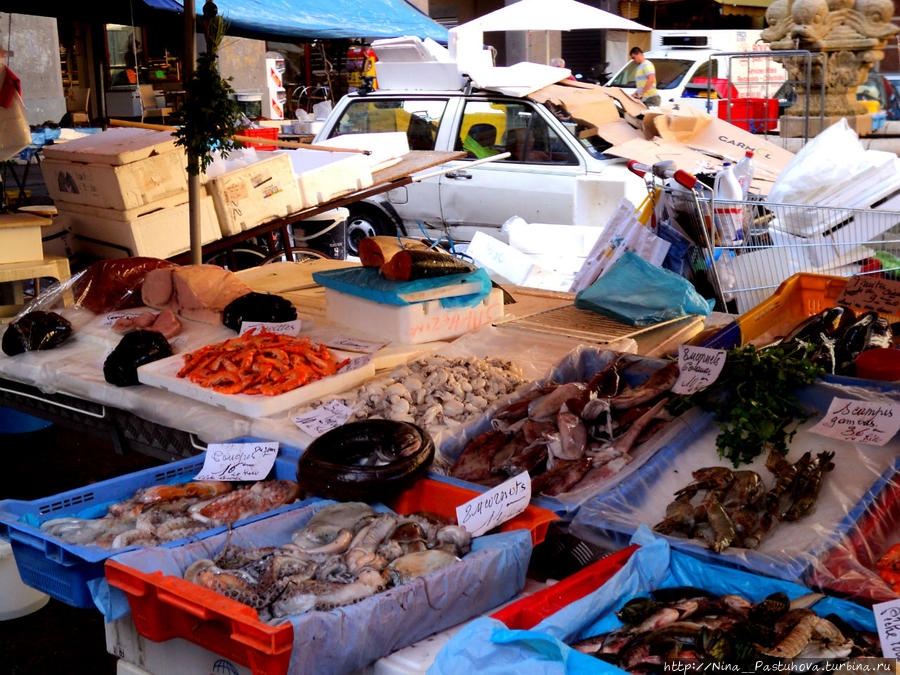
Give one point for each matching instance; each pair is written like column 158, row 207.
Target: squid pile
column 690, row 624
column 259, row 363
column 163, row 513
column 737, row 509
column 433, row 392
column 568, row 436
column 346, row 553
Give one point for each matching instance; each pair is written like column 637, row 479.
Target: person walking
column 644, row 78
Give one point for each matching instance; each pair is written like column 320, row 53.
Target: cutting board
column 163, row 374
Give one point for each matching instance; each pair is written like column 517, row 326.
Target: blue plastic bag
column 487, row 647
column 640, row 294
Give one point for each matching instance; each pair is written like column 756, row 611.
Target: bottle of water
column 743, row 171
column 729, row 217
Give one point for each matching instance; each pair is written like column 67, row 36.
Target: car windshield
column 669, row 73
column 419, row 118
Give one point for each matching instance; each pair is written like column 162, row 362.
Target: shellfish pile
column 163, row 513
column 435, row 392
column 346, row 552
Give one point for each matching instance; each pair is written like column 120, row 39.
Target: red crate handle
column 267, row 646
column 185, row 605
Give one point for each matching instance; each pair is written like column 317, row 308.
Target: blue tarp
column 317, row 19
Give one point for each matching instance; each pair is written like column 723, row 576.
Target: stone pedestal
column 794, row 127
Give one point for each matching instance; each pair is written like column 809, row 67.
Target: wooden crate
column 20, row 237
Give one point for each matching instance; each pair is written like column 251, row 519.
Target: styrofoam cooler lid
column 17, row 599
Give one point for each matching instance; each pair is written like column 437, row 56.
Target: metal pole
column 190, row 57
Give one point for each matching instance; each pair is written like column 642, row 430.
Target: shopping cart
column 779, row 240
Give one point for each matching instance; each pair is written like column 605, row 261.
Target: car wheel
column 366, row 221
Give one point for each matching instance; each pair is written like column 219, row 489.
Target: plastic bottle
column 728, row 216
column 743, row 171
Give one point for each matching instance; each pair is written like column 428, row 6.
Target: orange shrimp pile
column 888, row 567
column 259, row 363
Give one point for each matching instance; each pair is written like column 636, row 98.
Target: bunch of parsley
column 754, row 399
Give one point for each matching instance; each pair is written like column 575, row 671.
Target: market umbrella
column 549, row 15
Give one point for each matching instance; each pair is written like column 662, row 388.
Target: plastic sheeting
column 314, row 19
column 581, row 365
column 791, row 550
column 351, row 637
column 487, row 646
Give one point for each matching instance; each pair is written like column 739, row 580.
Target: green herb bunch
column 210, row 115
column 754, row 399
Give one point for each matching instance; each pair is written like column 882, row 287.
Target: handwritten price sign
column 349, row 344
column 238, row 461
column 887, row 618
column 698, row 367
column 112, row 317
column 358, row 362
column 495, row 506
column 859, row 421
column 872, row 293
column 291, row 328
column 324, row 418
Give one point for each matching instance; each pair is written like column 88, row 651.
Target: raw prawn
column 259, row 363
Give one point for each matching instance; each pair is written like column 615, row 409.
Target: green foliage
column 210, row 115
column 754, row 399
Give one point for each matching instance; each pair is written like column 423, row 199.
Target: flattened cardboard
column 631, row 105
column 652, row 151
column 585, row 103
column 731, row 142
column 618, row 132
column 675, row 125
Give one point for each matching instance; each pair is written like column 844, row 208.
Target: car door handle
column 461, row 174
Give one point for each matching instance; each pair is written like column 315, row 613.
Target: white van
column 686, row 60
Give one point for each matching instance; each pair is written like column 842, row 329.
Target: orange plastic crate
column 270, row 133
column 531, row 610
column 165, row 607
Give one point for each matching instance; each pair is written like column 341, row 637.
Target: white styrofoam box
column 413, row 76
column 125, row 186
column 383, row 146
column 760, row 272
column 118, row 146
column 254, row 194
column 570, row 241
column 20, row 237
column 825, row 248
column 411, row 324
column 157, row 230
column 405, row 48
column 323, row 175
column 499, row 258
column 596, row 199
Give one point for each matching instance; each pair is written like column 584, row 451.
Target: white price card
column 238, row 461
column 112, row 317
column 698, row 367
column 349, row 344
column 495, row 506
column 353, row 364
column 324, row 418
column 291, row 328
column 867, row 422
column 887, row 618
column 871, row 293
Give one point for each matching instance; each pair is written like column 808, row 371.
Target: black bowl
column 340, row 464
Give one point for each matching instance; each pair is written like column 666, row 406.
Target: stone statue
column 846, row 37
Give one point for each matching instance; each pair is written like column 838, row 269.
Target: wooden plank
column 114, row 147
column 413, row 162
column 11, row 220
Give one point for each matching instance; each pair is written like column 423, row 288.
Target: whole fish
column 660, row 382
column 548, row 405
column 531, row 457
column 561, row 478
column 409, row 265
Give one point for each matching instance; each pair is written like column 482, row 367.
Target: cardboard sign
column 238, row 461
column 870, row 423
column 698, row 368
column 495, row 506
column 324, row 418
column 871, row 293
column 291, row 328
column 887, row 618
column 351, row 344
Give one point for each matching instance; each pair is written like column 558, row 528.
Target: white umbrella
column 549, row 15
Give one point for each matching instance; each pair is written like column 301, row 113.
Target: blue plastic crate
column 63, row 570
column 578, row 366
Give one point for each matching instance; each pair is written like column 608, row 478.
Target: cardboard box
column 20, row 237
column 255, row 194
column 160, row 230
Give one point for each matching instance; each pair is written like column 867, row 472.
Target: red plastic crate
column 270, row 133
column 751, row 114
column 165, row 607
column 533, row 609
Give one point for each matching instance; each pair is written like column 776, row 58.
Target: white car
column 537, row 182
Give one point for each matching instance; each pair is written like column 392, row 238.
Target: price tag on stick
column 495, row 506
column 698, row 367
column 871, row 423
column 887, row 618
column 324, row 418
column 238, row 461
